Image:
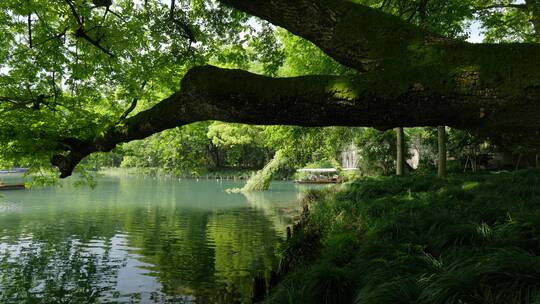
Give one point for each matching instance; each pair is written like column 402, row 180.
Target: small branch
column 80, row 33
column 57, row 36
column 133, row 105
column 54, row 86
column 171, row 12
column 115, row 14
column 187, row 31
column 15, row 100
column 74, row 11
column 422, row 9
column 30, row 30
column 25, row 102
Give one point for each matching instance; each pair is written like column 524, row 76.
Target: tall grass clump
column 420, row 239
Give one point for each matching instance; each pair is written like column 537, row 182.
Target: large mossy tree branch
column 355, row 35
column 367, row 39
column 463, row 99
column 408, row 77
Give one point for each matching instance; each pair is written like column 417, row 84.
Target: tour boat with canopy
column 319, row 176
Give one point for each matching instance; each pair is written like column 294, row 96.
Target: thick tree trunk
column 400, row 151
column 441, row 168
column 410, row 77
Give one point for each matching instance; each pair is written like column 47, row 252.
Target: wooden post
column 441, row 168
column 400, row 161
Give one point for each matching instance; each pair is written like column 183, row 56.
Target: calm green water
column 139, row 240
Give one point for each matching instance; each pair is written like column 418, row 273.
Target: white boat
column 319, row 176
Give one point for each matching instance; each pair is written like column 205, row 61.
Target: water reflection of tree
column 45, row 272
column 176, row 246
column 281, row 216
column 210, row 256
column 245, row 246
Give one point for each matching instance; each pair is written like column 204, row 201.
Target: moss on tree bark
column 406, row 77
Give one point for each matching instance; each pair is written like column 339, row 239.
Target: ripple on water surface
column 140, row 240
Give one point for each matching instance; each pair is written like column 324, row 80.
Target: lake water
column 135, row 239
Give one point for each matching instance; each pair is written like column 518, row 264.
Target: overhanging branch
column 211, row 93
column 355, row 35
column 410, row 77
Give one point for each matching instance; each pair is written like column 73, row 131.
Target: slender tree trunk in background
column 474, row 160
column 214, row 152
column 519, row 161
column 30, row 30
column 537, row 160
column 171, row 12
column 441, row 171
column 400, row 159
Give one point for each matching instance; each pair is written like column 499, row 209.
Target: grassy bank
column 418, row 239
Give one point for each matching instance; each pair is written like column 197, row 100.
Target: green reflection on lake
column 139, row 240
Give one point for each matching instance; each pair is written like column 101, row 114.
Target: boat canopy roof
column 318, row 170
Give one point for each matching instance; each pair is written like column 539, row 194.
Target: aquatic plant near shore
column 262, row 178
